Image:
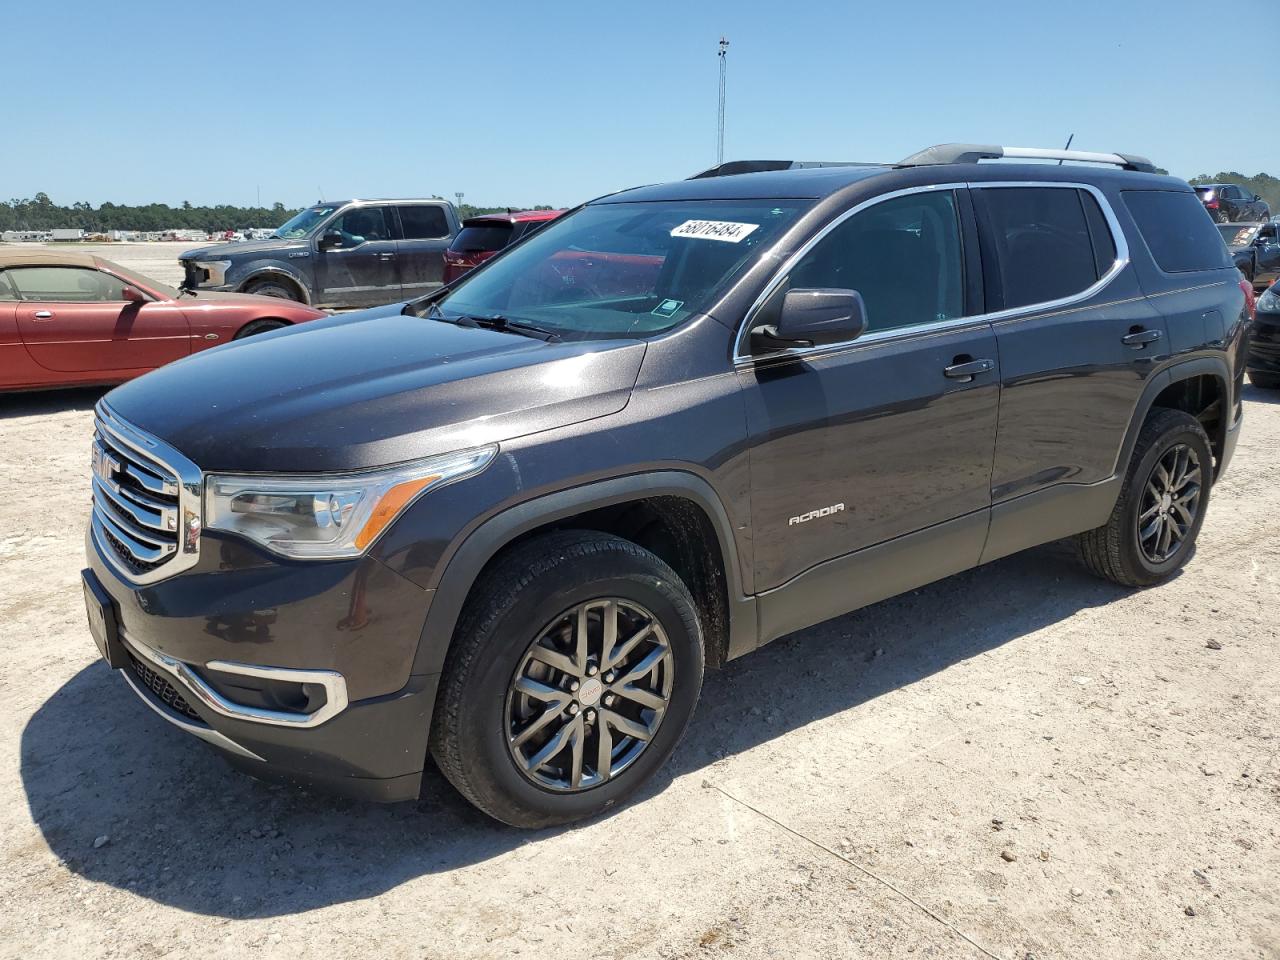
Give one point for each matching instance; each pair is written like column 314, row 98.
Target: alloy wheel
column 1169, row 504
column 589, row 695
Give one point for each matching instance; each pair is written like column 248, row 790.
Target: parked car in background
column 1228, row 203
column 1255, row 247
column 1263, row 363
column 73, row 318
column 483, row 236
column 511, row 523
column 348, row 253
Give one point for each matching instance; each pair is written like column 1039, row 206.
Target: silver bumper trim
column 207, row 734
column 333, row 683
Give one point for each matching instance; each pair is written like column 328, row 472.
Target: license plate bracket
column 101, row 611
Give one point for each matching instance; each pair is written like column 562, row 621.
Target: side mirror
column 813, row 318
column 132, row 294
column 331, row 238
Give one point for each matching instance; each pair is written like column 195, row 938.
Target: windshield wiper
column 507, row 325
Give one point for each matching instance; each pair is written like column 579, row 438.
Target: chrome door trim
column 743, row 357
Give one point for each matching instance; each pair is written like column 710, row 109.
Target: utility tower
column 724, row 61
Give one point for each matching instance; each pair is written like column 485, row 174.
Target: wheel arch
column 729, row 616
column 284, row 321
column 277, row 273
column 1195, row 386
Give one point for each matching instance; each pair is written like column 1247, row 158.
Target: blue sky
column 556, row 102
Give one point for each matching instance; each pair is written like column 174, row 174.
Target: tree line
column 41, row 213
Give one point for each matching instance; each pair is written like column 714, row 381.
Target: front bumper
column 293, row 672
column 1264, row 344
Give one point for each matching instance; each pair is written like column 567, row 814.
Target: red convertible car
column 71, row 319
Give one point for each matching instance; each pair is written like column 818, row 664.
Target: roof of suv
column 814, row 183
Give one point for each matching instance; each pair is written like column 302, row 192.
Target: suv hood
column 228, row 251
column 373, row 388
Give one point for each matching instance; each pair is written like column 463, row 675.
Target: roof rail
column 732, row 167
column 973, row 152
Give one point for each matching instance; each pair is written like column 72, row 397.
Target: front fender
column 241, row 276
column 464, row 565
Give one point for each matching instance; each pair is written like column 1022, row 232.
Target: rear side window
column 1178, row 232
column 482, row 239
column 423, row 223
column 1043, row 243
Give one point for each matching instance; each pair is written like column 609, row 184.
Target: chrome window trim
column 334, row 684
column 190, row 492
column 743, row 356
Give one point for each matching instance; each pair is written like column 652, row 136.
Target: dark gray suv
column 509, row 524
column 348, row 253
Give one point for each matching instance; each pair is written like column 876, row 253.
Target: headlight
column 215, row 269
column 327, row 516
column 1269, row 302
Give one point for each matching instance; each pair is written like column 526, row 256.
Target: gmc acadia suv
column 510, row 523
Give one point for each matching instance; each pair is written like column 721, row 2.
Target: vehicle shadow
column 43, row 402
column 1258, row 395
column 187, row 831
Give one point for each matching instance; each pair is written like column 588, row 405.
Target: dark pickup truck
column 344, row 253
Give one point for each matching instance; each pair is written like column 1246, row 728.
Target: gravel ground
column 1018, row 761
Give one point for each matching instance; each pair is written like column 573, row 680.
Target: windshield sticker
column 667, row 308
column 714, row 230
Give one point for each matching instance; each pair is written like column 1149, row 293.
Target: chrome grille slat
column 135, row 513
column 146, row 501
column 151, row 552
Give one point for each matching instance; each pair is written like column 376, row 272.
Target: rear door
column 76, row 320
column 358, row 259
column 1267, row 244
column 425, row 236
column 1077, row 342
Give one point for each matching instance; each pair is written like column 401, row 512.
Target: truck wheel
column 1267, row 381
column 572, row 676
column 1153, row 528
column 274, row 288
column 258, row 326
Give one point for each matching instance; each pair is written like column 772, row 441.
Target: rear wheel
column 1267, row 381
column 572, row 676
column 1153, row 528
column 274, row 288
column 259, row 326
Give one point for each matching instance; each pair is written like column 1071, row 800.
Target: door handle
column 1140, row 338
column 386, row 256
column 967, row 369
column 43, row 314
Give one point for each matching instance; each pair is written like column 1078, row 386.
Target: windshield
column 129, row 276
column 303, row 223
column 1236, row 235
column 624, row 269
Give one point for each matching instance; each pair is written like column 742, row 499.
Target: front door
column 855, row 445
column 357, row 260
column 424, row 239
column 76, row 320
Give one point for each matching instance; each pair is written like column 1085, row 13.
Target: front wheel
column 572, row 676
column 1153, row 527
column 274, row 288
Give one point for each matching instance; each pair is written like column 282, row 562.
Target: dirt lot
column 1019, row 761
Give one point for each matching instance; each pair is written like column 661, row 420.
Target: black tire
column 1115, row 551
column 534, row 585
column 259, row 326
column 1267, row 381
column 280, row 289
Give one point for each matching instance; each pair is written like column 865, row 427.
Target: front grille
column 135, row 504
column 165, row 691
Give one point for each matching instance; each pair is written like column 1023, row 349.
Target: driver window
column 360, row 225
column 65, row 285
column 902, row 255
